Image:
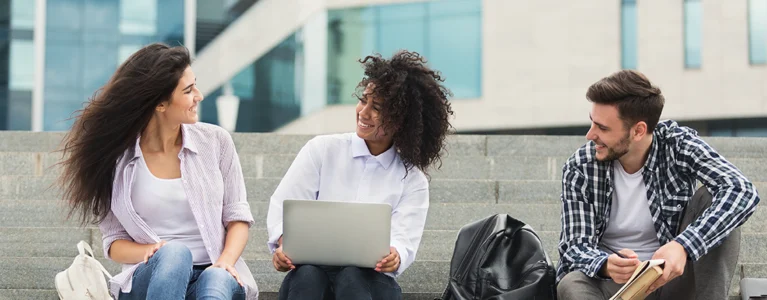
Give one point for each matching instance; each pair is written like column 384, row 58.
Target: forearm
column 128, row 252
column 236, row 239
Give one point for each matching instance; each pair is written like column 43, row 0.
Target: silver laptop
column 335, row 233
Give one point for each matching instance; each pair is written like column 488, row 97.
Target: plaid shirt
column 677, row 158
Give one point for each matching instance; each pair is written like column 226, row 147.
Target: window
column 757, row 31
column 693, row 35
column 628, row 34
column 447, row 33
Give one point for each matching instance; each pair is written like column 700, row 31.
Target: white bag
column 84, row 279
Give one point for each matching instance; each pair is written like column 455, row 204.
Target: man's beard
column 619, row 150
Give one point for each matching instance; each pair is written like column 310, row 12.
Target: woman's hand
column 229, row 268
column 281, row 261
column 151, row 249
column 389, row 263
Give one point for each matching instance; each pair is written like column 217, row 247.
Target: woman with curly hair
column 402, row 120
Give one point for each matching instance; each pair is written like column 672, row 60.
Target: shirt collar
column 186, row 143
column 652, row 156
column 360, row 149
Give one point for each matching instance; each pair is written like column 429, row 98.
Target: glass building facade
column 757, row 32
column 87, row 39
column 447, row 33
column 17, row 63
column 693, row 33
column 629, row 34
column 268, row 90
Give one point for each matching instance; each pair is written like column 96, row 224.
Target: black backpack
column 500, row 258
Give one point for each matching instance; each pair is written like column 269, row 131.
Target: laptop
column 332, row 233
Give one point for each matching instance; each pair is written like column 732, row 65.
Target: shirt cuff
column 596, row 265
column 403, row 260
column 693, row 243
column 275, row 232
column 239, row 211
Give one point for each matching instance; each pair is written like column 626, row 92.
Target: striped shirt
column 677, row 158
column 212, row 179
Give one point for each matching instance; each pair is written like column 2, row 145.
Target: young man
column 632, row 188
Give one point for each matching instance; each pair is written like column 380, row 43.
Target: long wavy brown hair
column 110, row 123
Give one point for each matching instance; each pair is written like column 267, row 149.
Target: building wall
column 539, row 57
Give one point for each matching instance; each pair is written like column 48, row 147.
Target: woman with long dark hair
column 166, row 191
column 402, row 119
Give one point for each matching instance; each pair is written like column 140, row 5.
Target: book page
column 641, row 269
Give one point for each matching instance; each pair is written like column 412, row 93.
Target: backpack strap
column 83, row 247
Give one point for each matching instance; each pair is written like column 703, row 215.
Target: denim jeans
column 321, row 282
column 169, row 274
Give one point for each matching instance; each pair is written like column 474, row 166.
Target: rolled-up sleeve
column 236, row 207
column 111, row 231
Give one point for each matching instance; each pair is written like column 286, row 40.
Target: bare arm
column 129, row 252
column 236, row 239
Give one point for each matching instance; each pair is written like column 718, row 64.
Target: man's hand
column 621, row 269
column 389, row 263
column 676, row 259
column 151, row 249
column 281, row 261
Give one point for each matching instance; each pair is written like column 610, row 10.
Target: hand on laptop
column 281, row 261
column 389, row 263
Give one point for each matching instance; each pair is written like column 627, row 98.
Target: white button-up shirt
column 341, row 168
column 212, row 180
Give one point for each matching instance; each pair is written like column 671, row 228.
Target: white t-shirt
column 630, row 225
column 163, row 205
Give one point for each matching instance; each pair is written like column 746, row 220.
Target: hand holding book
column 675, row 257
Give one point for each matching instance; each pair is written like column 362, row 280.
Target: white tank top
column 630, row 225
column 163, row 205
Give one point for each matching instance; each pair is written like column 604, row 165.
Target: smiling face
column 608, row 132
column 183, row 103
column 369, row 118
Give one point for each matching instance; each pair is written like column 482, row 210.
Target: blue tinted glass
column 448, row 33
column 87, row 39
column 628, row 34
column 266, row 90
column 455, row 39
column 757, row 31
column 22, row 14
column 401, row 26
column 693, row 33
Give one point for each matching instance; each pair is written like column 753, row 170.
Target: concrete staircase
column 482, row 175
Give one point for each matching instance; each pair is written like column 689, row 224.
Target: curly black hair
column 415, row 107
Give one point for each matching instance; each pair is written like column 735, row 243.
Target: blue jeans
column 321, row 282
column 169, row 274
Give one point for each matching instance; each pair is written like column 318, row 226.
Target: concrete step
column 457, row 144
column 20, row 187
column 442, row 216
column 51, row 295
column 514, row 167
column 436, row 245
column 427, row 277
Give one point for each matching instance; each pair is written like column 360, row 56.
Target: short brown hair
column 636, row 98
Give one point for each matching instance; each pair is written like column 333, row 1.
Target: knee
column 568, row 287
column 308, row 272
column 174, row 254
column 217, row 277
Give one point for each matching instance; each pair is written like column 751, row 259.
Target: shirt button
column 202, row 226
column 678, row 206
